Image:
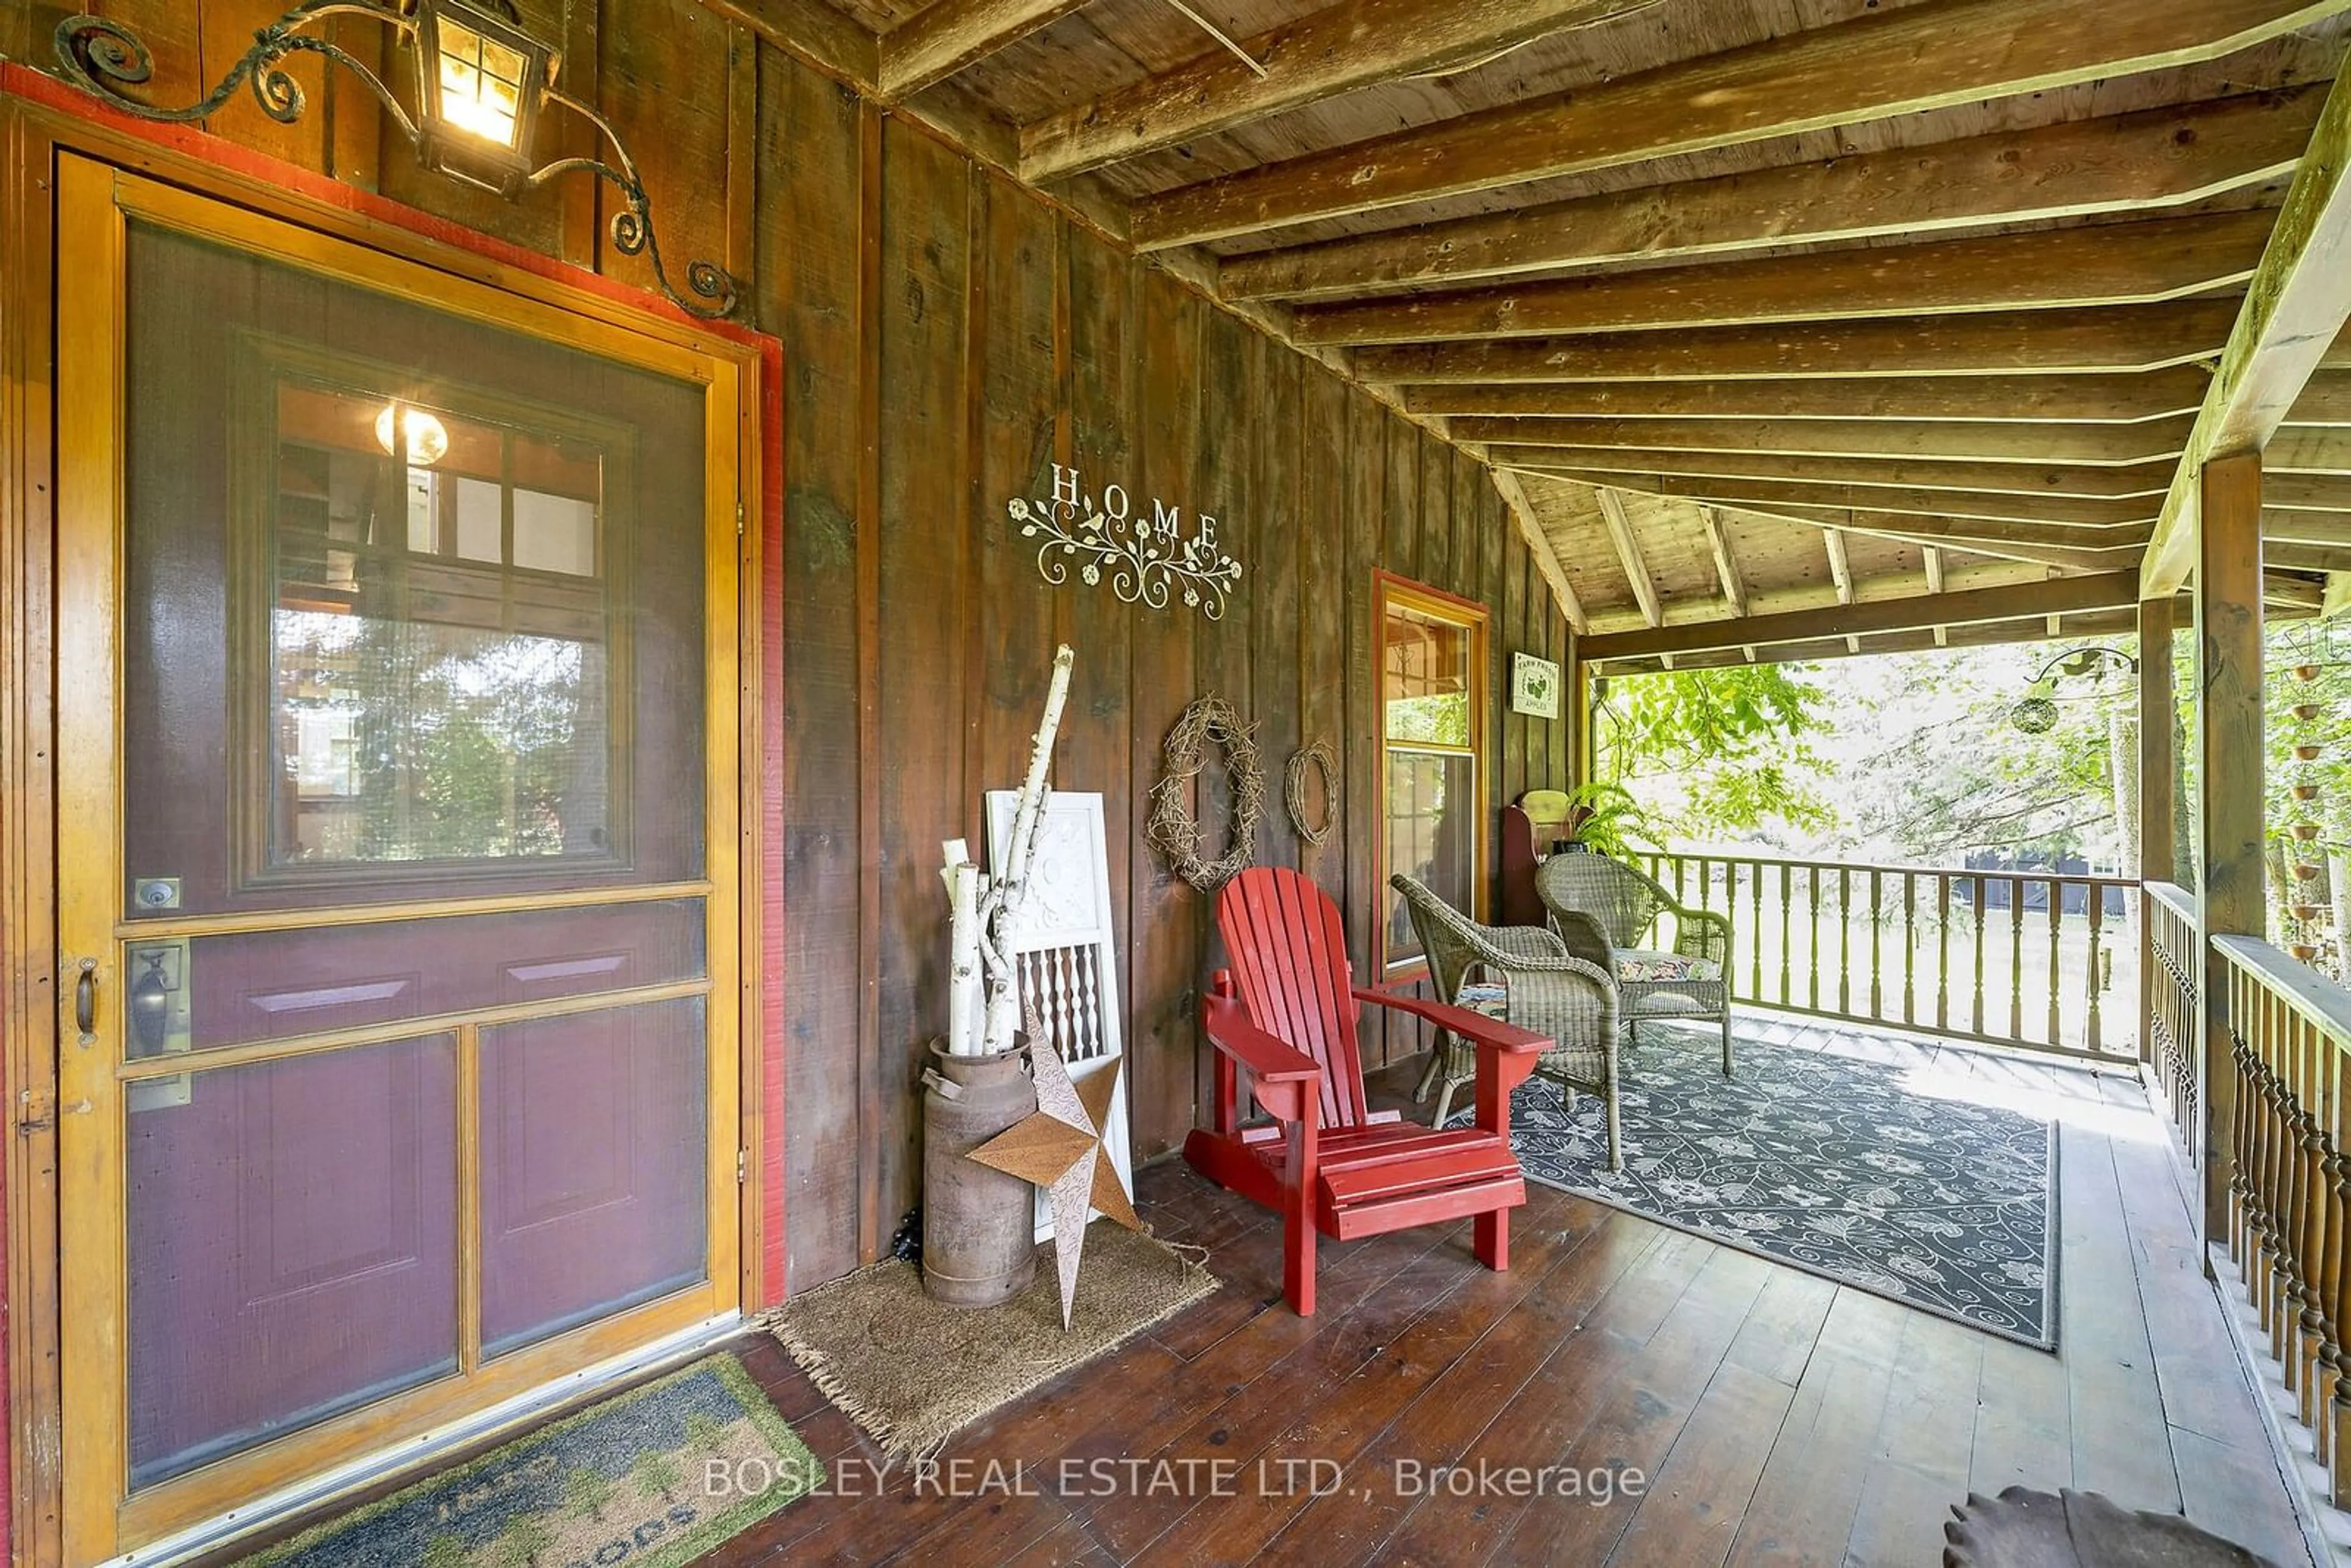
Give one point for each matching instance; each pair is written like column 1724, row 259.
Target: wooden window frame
column 1392, row 591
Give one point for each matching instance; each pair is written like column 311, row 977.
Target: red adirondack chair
column 1285, row 1012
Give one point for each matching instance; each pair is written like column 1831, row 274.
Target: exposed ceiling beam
column 1949, row 441
column 1878, row 66
column 2308, row 449
column 2306, row 528
column 1931, row 556
column 2279, row 589
column 1628, row 555
column 2174, row 393
column 2147, row 479
column 1841, row 574
column 2293, row 315
column 2056, row 595
column 1530, row 529
column 940, row 41
column 2115, row 337
column 1726, row 567
column 2131, row 162
column 1359, row 44
column 2307, row 492
column 1979, row 534
column 2071, row 268
column 2305, row 557
column 2078, row 624
column 2325, row 400
column 1864, row 498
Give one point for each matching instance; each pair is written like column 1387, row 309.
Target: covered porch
column 483, row 706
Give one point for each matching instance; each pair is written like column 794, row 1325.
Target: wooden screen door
column 398, row 781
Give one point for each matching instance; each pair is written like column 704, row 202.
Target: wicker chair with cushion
column 1529, row 980
column 1606, row 911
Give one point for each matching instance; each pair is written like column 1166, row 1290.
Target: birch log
column 1009, row 891
column 962, row 878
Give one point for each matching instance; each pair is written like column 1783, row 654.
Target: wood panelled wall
column 947, row 337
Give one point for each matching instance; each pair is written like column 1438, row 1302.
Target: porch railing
column 2174, row 948
column 2289, row 1209
column 2027, row 958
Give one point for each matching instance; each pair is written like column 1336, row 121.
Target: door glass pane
column 1432, row 801
column 593, row 1162
column 292, row 1225
column 415, row 605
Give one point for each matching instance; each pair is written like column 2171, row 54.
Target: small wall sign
column 1147, row 560
column 1534, row 687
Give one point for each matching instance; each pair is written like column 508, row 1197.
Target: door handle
column 86, row 1001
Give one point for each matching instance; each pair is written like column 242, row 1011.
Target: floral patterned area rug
column 1826, row 1163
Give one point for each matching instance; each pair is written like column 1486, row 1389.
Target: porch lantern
column 482, row 81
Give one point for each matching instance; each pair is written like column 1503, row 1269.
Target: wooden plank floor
column 1778, row 1417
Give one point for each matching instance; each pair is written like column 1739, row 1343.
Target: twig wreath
column 1293, row 790
column 1171, row 829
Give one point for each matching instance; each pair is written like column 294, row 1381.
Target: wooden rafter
column 1725, row 566
column 1864, row 498
column 2292, row 316
column 2306, row 528
column 1628, row 556
column 1354, row 45
column 1875, row 68
column 2155, row 395
column 2308, row 449
column 2132, row 162
column 2056, row 595
column 1530, row 529
column 2307, row 492
column 1931, row 558
column 2115, row 338
column 2145, row 479
column 1979, row 534
column 2306, row 558
column 2071, row 268
column 2325, row 400
column 1840, row 575
column 940, row 41
column 2117, row 446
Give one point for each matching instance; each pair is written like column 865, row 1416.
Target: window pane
column 1426, row 683
column 553, row 533
column 1432, row 805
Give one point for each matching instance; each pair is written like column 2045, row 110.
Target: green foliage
column 1605, row 818
column 657, row 1474
column 1719, row 752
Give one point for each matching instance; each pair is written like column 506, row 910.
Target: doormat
column 912, row 1372
column 623, row 1482
column 1829, row 1163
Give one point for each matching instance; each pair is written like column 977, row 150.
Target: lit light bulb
column 428, row 439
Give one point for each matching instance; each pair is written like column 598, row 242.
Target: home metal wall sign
column 1147, row 560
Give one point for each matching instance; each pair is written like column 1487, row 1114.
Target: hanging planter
column 2307, row 752
column 2308, row 914
column 2305, row 711
column 2305, row 951
column 2305, row 831
column 2305, row 672
column 2305, row 791
column 2304, row 870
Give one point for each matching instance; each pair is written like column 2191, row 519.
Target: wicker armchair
column 1544, row 988
column 1605, row 910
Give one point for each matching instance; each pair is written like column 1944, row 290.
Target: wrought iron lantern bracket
column 106, row 59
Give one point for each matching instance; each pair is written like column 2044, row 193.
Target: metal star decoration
column 1059, row 1148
